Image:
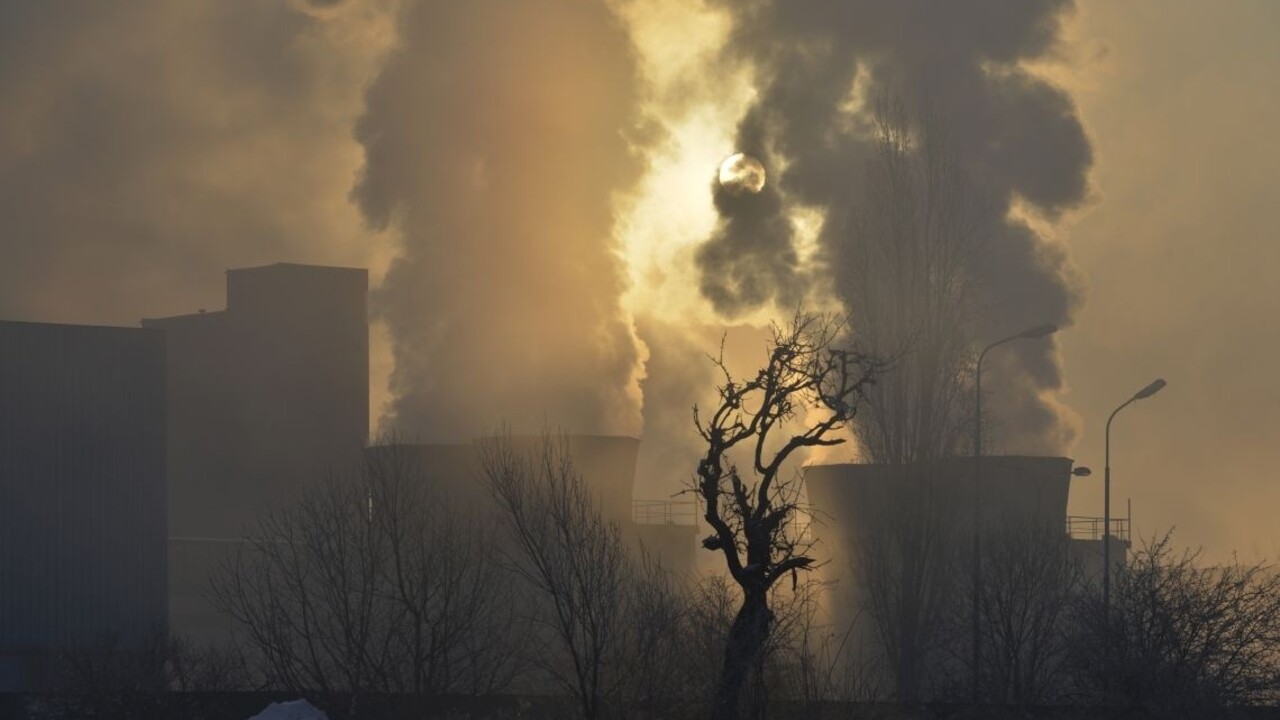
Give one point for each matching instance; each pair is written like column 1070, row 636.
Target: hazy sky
column 1180, row 253
column 526, row 175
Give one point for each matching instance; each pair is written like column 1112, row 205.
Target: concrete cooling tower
column 922, row 514
column 606, row 463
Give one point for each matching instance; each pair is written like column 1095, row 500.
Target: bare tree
column 369, row 584
column 661, row 650
column 1182, row 639
column 906, row 277
column 1031, row 580
column 805, row 376
column 817, row 661
column 905, row 568
column 455, row 615
column 150, row 677
column 304, row 591
column 575, row 561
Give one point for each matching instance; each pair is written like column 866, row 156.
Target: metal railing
column 1083, row 527
column 664, row 512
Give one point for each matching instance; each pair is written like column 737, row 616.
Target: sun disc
column 741, row 173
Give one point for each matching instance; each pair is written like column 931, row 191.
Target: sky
column 531, row 187
column 1179, row 250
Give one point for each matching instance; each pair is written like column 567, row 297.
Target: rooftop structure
column 265, row 397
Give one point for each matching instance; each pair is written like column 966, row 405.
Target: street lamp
column 1035, row 333
column 1154, row 387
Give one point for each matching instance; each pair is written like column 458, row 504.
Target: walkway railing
column 1083, row 527
column 664, row 512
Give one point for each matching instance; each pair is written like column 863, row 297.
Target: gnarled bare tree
column 808, row 390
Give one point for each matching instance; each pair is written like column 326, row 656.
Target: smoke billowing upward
column 1016, row 137
column 497, row 143
column 751, row 259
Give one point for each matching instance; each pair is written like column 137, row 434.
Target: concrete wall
column 82, row 492
column 896, row 505
column 856, row 499
column 266, row 395
column 607, row 464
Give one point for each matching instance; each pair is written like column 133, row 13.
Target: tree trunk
column 741, row 653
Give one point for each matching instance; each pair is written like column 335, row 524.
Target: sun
column 741, row 173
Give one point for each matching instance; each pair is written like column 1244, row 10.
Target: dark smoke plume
column 497, row 143
column 751, row 259
column 1017, row 137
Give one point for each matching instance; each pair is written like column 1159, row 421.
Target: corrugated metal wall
column 82, row 488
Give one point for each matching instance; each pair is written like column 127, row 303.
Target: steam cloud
column 146, row 145
column 1017, row 136
column 496, row 142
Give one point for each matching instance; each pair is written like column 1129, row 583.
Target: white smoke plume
column 499, row 139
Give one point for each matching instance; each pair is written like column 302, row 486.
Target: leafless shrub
column 1030, row 583
column 817, row 660
column 139, row 680
column 1182, row 639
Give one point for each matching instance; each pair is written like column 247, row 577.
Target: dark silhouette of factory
column 82, row 491
column 264, row 396
column 133, row 462
column 1024, row 494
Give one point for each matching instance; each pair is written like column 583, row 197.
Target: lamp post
column 1154, row 387
column 1034, row 333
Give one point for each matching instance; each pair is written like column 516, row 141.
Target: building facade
column 265, row 397
column 606, row 464
column 82, row 494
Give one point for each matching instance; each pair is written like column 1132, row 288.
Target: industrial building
column 266, row 396
column 135, row 462
column 82, row 493
column 904, row 535
column 606, row 464
column 863, row 502
column 860, row 502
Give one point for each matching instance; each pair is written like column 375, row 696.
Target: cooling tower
column 606, row 463
column 908, row 506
